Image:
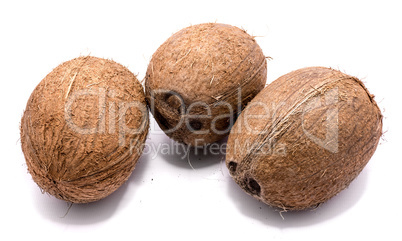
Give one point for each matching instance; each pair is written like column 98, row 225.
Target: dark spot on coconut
column 232, row 167
column 195, row 125
column 253, row 187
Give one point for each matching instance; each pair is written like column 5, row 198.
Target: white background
column 165, row 198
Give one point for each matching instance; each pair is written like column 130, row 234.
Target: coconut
column 84, row 128
column 304, row 138
column 200, row 78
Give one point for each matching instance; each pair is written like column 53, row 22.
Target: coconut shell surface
column 304, row 138
column 84, row 129
column 200, row 78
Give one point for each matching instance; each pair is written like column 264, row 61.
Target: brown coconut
column 304, row 138
column 84, row 128
column 199, row 80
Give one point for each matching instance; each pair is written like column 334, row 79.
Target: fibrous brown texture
column 200, row 78
column 304, row 138
column 84, row 128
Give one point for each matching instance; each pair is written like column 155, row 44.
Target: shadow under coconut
column 78, row 214
column 88, row 213
column 187, row 157
column 268, row 215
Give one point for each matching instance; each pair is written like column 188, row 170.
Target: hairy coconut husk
column 84, row 128
column 304, row 138
column 200, row 78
